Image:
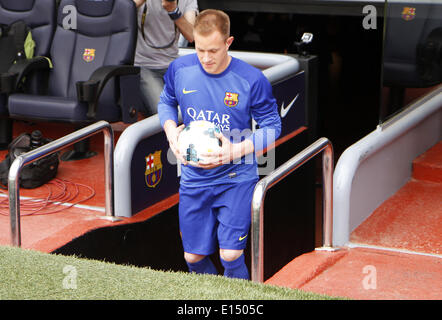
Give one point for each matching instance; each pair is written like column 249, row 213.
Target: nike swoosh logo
column 284, row 111
column 242, row 238
column 188, row 91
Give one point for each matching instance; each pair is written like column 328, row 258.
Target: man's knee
column 193, row 258
column 230, row 255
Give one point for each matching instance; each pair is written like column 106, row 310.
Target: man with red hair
column 216, row 194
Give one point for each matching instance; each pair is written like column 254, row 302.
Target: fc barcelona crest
column 154, row 169
column 231, row 99
column 89, row 55
column 408, row 13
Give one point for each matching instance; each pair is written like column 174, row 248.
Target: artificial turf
column 29, row 275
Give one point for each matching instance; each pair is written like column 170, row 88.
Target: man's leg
column 199, row 264
column 198, row 229
column 234, row 264
column 233, row 229
column 151, row 86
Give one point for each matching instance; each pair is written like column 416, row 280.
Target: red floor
column 45, row 231
column 395, row 254
column 48, row 232
column 410, row 222
column 368, row 274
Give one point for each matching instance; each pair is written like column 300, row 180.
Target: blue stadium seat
column 40, row 17
column 93, row 77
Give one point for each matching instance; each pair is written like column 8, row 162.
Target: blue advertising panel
column 154, row 176
column 290, row 97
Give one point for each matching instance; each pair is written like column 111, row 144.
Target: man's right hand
column 172, row 133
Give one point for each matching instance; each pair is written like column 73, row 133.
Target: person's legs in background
column 151, row 85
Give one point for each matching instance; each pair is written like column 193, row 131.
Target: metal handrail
column 49, row 148
column 257, row 227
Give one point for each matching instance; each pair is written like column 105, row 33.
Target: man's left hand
column 228, row 153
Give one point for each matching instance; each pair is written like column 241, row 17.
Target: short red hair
column 211, row 20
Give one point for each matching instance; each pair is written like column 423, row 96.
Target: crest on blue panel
column 154, row 169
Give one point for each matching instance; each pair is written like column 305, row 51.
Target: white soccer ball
column 198, row 138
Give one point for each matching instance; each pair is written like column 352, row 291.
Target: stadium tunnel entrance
column 289, row 224
column 342, row 73
column 290, row 205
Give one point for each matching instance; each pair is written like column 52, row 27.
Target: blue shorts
column 215, row 216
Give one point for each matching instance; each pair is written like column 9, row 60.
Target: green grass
column 28, row 275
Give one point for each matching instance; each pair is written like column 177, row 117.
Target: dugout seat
column 92, row 77
column 39, row 16
column 412, row 48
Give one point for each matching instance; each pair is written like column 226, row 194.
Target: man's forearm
column 185, row 25
column 242, row 149
column 169, row 128
column 185, row 22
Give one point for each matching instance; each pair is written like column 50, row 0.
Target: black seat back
column 39, row 15
column 408, row 29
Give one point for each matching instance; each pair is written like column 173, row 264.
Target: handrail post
column 49, row 148
column 109, row 171
column 14, row 200
column 257, row 225
column 327, row 195
column 257, row 231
